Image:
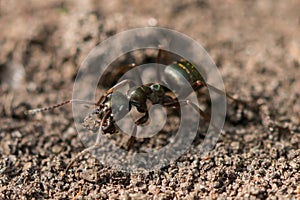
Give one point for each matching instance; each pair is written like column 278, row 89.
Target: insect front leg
column 93, row 147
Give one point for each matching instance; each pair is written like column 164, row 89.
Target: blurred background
column 255, row 44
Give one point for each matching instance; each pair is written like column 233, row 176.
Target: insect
column 103, row 119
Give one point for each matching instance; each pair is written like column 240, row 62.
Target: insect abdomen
column 181, row 76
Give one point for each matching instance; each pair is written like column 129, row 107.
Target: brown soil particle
column 256, row 45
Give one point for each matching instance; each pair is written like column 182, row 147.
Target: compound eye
column 155, row 87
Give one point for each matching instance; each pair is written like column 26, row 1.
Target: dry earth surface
column 256, row 46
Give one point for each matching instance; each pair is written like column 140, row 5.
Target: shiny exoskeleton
column 114, row 105
column 103, row 117
column 177, row 75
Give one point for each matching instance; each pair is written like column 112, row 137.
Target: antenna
column 77, row 101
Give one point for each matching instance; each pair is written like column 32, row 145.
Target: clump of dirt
column 256, row 46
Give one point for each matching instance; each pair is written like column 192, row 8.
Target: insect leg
column 163, row 54
column 94, row 146
column 158, row 61
column 137, row 77
column 132, row 138
column 199, row 84
column 141, row 120
column 80, row 154
column 160, row 55
column 109, row 91
column 245, row 103
column 195, row 107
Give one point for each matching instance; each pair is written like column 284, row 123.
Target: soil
column 256, row 46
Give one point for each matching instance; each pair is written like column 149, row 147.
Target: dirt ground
column 256, row 46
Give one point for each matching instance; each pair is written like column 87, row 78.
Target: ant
column 104, row 120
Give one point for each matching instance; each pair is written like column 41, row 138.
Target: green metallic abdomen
column 181, row 76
